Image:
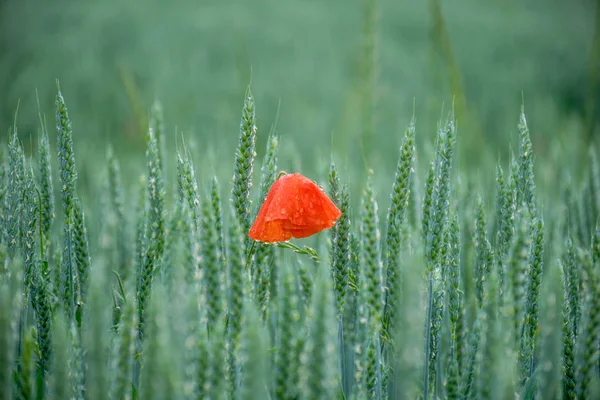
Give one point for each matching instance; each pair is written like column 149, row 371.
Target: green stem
column 250, row 253
column 306, row 250
column 428, row 337
column 345, row 383
column 39, row 195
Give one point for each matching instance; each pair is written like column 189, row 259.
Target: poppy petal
column 274, row 232
column 303, row 203
column 305, row 231
column 259, row 230
column 287, row 199
column 294, row 207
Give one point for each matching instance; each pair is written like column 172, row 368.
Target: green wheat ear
column 341, row 250
column 253, row 356
column 265, row 275
column 238, row 292
column 455, row 309
column 191, row 250
column 286, row 383
column 244, row 162
column 187, row 185
column 428, row 201
column 156, row 226
column 483, row 253
column 157, row 124
column 66, row 157
column 46, row 190
column 68, row 177
column 569, row 331
column 141, row 228
column 517, row 268
column 443, row 167
column 81, row 249
column 181, row 183
column 217, row 212
column 505, row 216
column 210, row 263
column 174, row 235
column 43, row 312
column 434, row 225
column 14, row 191
column 525, row 176
column 531, row 317
column 319, row 357
column 590, row 336
column 11, row 304
column 117, row 202
column 371, row 256
column 340, row 263
column 372, row 285
column 29, row 224
column 572, row 279
column 400, row 195
column 437, row 307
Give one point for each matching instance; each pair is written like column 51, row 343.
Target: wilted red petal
column 305, row 231
column 264, row 231
column 295, row 207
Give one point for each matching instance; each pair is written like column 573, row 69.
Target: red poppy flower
column 294, row 207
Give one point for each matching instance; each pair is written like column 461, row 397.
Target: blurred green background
column 310, row 60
